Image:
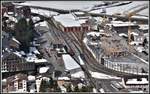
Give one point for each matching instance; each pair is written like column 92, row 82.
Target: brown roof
column 17, row 77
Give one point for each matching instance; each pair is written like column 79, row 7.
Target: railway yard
column 51, row 49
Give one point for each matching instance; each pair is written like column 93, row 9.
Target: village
column 56, row 50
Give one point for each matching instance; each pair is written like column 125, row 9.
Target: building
column 10, row 7
column 16, row 83
column 122, row 27
column 14, row 63
column 23, row 11
column 137, row 83
column 68, row 23
column 4, row 10
column 128, row 64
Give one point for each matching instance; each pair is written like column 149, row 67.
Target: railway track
column 73, row 41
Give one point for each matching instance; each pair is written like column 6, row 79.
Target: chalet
column 13, row 62
column 10, row 7
column 23, row 11
column 16, row 83
column 68, row 23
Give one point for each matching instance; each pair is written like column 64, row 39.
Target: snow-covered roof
column 144, row 27
column 93, row 43
column 17, row 53
column 67, row 20
column 63, row 78
column 86, row 5
column 102, row 76
column 35, row 19
column 34, row 50
column 123, row 8
column 134, row 81
column 79, row 74
column 32, row 58
column 81, row 61
column 69, row 62
column 94, row 33
column 40, row 60
column 79, row 12
column 31, row 78
column 140, row 49
column 81, row 21
column 43, row 12
column 11, row 17
column 22, row 53
column 123, row 24
column 44, row 24
column 101, row 90
column 43, row 69
column 14, row 39
column 123, row 34
column 4, row 80
column 136, row 34
column 139, row 91
column 135, row 42
column 63, row 89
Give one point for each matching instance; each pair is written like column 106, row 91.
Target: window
column 75, row 28
column 71, row 28
column 79, row 28
column 65, row 29
column 20, row 86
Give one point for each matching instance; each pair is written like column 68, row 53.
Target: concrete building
column 68, row 23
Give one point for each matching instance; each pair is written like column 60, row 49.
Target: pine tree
column 44, row 86
column 76, row 89
column 24, row 33
column 69, row 88
column 84, row 89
